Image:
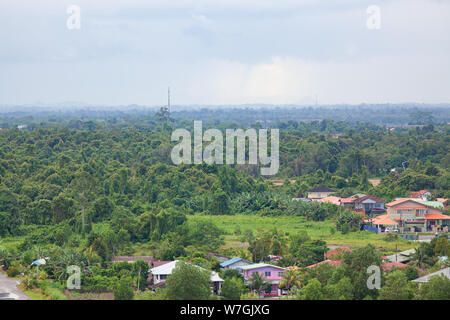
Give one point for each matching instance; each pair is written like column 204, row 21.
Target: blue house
column 235, row 263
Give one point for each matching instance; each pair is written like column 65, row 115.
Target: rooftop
column 369, row 198
column 167, row 269
column 332, row 262
column 259, row 265
column 231, row 261
column 321, row 189
column 444, row 272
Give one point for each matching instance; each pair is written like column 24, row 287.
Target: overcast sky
column 224, row 52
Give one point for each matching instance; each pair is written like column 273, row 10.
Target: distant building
column 219, row 257
column 320, row 192
column 418, row 215
column 330, row 262
column 369, row 205
column 444, row 272
column 403, row 257
column 22, row 126
column 421, row 194
column 235, row 263
column 160, row 274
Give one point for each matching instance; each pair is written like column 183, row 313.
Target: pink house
column 271, row 273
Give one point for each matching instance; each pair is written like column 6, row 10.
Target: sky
column 222, row 52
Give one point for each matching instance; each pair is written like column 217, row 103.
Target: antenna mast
column 168, row 99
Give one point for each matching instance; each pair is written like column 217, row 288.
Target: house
column 418, row 215
column 301, row 199
column 219, row 257
column 348, row 202
column 382, row 222
column 331, row 262
column 151, row 261
column 22, row 126
column 444, row 272
column 320, row 192
column 160, row 274
column 331, row 199
column 404, row 256
column 369, row 205
column 234, row 263
column 421, row 194
column 271, row 273
column 388, row 266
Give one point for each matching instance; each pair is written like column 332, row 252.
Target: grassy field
column 324, row 230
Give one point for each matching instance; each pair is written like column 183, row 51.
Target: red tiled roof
column 436, row 216
column 348, row 200
column 337, row 251
column 416, row 194
column 332, row 262
column 390, row 265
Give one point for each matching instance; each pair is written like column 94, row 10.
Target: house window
column 280, row 274
column 267, row 273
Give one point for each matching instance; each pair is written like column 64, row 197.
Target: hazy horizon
column 227, row 52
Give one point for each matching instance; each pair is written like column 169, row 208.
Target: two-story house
column 369, row 205
column 269, row 272
column 418, row 215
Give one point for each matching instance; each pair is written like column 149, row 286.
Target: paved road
column 9, row 290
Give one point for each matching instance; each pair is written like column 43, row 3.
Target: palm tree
column 418, row 257
column 291, row 278
column 258, row 282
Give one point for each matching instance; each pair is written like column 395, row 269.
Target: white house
column 159, row 275
column 444, row 272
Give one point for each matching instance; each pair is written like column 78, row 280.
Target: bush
column 14, row 269
column 124, row 290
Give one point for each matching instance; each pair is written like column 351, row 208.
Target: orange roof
column 396, row 202
column 334, row 263
column 416, row 194
column 348, row 200
column 436, row 216
column 383, row 219
column 331, row 199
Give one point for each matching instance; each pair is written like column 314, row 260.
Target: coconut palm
column 291, row 278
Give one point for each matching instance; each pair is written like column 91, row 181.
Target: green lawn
column 292, row 225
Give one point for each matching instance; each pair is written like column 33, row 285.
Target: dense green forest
column 83, row 190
